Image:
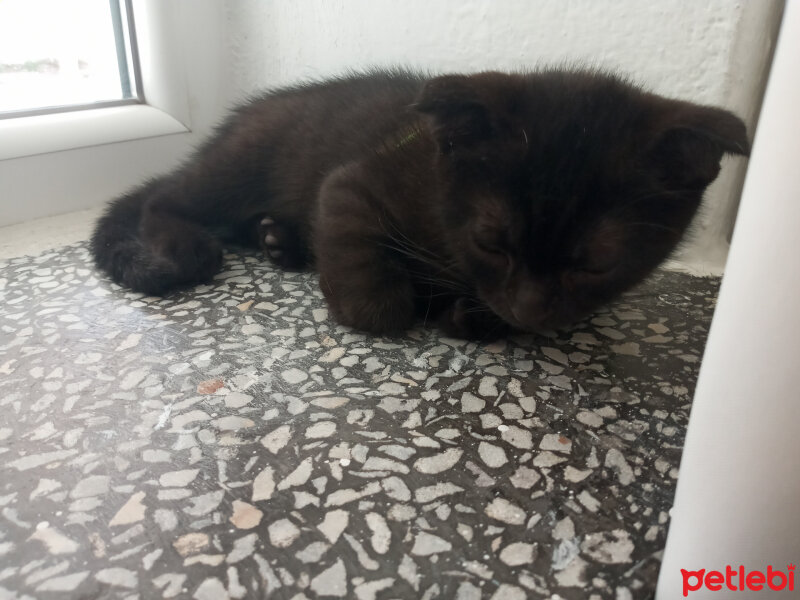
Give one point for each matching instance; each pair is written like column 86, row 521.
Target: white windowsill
column 41, row 235
column 41, row 134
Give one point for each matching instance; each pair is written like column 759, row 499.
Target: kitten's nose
column 532, row 305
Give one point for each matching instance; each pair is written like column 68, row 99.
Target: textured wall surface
column 676, row 47
column 714, row 52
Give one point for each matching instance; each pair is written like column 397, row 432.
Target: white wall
column 714, row 52
column 738, row 490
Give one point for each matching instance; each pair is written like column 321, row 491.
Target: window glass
column 56, row 53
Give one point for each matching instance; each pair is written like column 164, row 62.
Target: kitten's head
column 565, row 189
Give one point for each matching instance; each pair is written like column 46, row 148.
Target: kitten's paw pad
column 281, row 241
column 272, row 238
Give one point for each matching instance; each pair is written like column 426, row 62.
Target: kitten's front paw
column 280, row 244
column 467, row 319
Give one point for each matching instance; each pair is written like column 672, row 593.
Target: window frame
column 88, row 156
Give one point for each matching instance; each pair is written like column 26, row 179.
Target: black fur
column 486, row 201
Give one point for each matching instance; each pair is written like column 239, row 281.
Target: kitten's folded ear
column 691, row 141
column 460, row 118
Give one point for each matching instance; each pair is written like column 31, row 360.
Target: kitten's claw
column 271, row 240
column 266, row 221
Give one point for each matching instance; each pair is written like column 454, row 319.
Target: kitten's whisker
column 478, row 310
column 410, row 243
column 441, row 270
column 451, row 286
column 423, row 255
column 445, row 282
column 656, row 226
column 411, row 251
column 428, row 309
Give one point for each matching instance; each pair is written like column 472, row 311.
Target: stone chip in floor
column 232, row 441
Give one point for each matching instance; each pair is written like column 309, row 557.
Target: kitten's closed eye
column 492, row 246
column 597, row 264
column 596, row 271
column 601, row 253
column 488, row 246
column 587, row 276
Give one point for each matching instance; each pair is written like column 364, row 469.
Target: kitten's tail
column 119, row 248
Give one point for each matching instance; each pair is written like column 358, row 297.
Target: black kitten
column 485, row 201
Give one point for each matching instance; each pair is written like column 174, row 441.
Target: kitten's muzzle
column 528, row 307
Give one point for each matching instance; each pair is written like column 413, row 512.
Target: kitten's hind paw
column 281, row 244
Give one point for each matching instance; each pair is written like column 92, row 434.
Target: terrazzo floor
column 233, row 442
